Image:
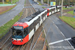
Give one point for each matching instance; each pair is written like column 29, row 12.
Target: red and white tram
column 23, row 30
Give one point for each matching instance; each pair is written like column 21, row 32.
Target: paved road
column 58, row 33
column 28, row 10
column 4, row 18
column 64, row 28
column 38, row 7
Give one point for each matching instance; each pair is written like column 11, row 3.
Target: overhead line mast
column 62, row 8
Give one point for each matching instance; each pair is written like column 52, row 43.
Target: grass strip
column 69, row 20
column 67, row 8
column 43, row 7
column 4, row 3
column 70, row 12
column 4, row 29
column 7, row 10
column 14, row 1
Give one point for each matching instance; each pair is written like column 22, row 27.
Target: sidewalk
column 2, row 5
column 4, row 18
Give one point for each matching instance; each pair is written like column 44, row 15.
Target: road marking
column 64, row 36
column 59, row 41
column 62, row 33
column 56, row 26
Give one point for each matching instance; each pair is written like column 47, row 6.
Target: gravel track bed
column 8, row 45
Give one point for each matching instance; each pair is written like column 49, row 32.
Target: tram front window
column 17, row 33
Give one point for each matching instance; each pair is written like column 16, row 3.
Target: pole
column 55, row 0
column 42, row 1
column 74, row 10
column 48, row 1
column 11, row 1
column 74, row 6
column 59, row 3
column 62, row 8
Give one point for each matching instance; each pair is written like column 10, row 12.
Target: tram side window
column 36, row 21
column 25, row 32
column 44, row 15
column 50, row 10
column 31, row 27
column 58, row 8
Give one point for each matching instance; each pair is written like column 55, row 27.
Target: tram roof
column 30, row 17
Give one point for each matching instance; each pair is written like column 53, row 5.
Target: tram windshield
column 17, row 32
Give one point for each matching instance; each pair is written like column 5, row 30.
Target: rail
column 51, row 11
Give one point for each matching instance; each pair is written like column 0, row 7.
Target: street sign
column 52, row 3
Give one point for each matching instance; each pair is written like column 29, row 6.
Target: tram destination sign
column 18, row 27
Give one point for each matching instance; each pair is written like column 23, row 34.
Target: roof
column 30, row 17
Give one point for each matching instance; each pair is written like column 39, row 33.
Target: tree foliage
column 66, row 2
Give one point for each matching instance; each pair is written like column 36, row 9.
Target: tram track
column 8, row 44
column 36, row 36
column 36, row 41
column 31, row 43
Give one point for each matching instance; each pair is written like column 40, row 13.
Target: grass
column 4, row 3
column 70, row 12
column 7, row 10
column 69, row 20
column 0, row 2
column 43, row 35
column 43, row 7
column 13, row 1
column 67, row 8
column 4, row 29
column 39, row 3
